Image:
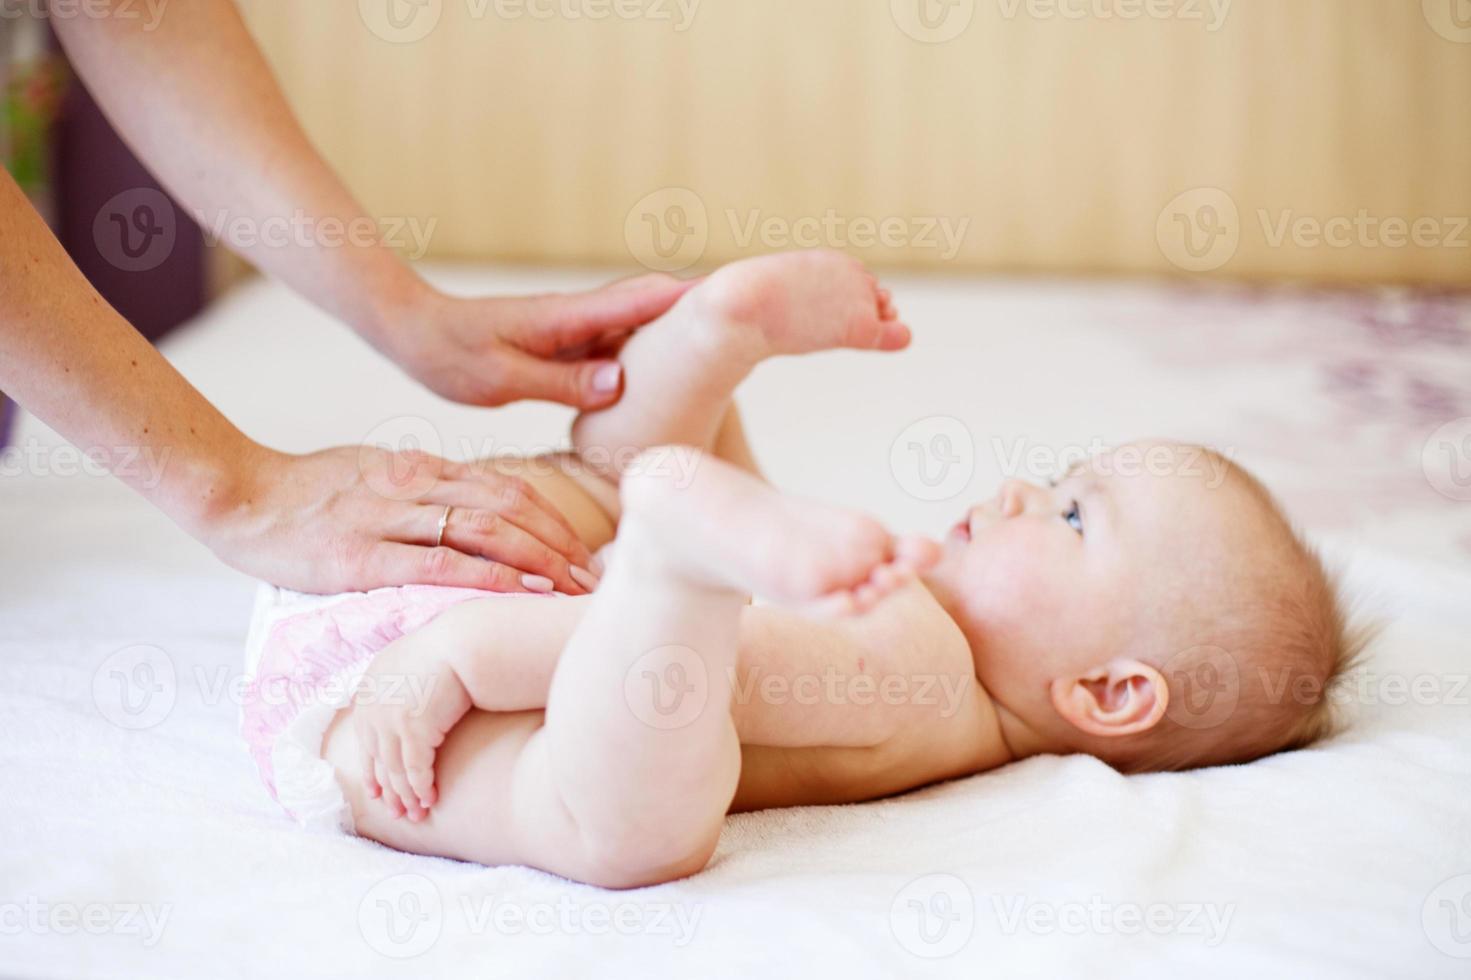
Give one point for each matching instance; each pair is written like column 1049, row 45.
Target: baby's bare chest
column 881, row 705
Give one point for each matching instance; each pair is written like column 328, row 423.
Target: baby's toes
column 895, row 336
column 886, row 305
column 916, row 553
column 887, row 578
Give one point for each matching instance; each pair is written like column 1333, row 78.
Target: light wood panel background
column 1060, row 140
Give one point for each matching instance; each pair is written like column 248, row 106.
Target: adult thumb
column 588, row 385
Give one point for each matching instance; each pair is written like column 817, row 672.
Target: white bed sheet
column 155, row 852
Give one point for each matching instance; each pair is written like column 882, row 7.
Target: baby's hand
column 404, row 706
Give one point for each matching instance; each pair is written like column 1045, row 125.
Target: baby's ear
column 1122, row 697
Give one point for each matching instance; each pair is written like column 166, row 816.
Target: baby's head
column 1152, row 608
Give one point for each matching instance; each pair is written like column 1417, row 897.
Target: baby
column 1156, row 620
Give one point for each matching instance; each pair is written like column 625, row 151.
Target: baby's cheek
column 1002, row 594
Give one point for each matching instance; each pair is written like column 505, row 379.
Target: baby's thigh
column 472, row 819
column 588, row 501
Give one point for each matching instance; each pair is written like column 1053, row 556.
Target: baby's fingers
column 367, row 743
column 390, row 799
column 370, row 777
column 419, row 769
column 407, row 798
column 393, row 754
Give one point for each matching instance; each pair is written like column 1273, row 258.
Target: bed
column 136, row 840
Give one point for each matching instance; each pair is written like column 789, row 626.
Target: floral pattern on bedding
column 1363, row 406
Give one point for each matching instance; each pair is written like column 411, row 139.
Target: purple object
column 137, row 247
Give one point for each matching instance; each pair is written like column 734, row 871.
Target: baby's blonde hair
column 1286, row 636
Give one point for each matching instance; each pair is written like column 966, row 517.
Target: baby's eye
column 1074, row 517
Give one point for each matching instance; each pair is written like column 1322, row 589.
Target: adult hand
column 358, row 518
column 555, row 347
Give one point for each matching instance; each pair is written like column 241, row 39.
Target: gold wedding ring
column 443, row 523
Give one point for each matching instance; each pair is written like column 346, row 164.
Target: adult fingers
column 481, row 534
column 491, row 536
column 586, row 385
column 394, row 563
column 519, row 502
column 566, row 322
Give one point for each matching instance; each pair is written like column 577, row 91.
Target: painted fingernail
column 584, row 578
column 598, row 566
column 537, row 583
column 607, row 379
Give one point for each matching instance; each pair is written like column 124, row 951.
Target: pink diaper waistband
column 305, row 654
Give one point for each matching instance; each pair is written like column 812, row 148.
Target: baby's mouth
column 961, row 530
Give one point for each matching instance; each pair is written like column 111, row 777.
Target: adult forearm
column 72, row 360
column 193, row 96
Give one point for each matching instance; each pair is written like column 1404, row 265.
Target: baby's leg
column 628, row 778
column 683, row 368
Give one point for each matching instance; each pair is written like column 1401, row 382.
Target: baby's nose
column 1013, row 497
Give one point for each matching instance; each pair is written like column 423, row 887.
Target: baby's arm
column 797, row 683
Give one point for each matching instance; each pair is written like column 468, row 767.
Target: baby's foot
column 718, row 525
column 800, row 303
